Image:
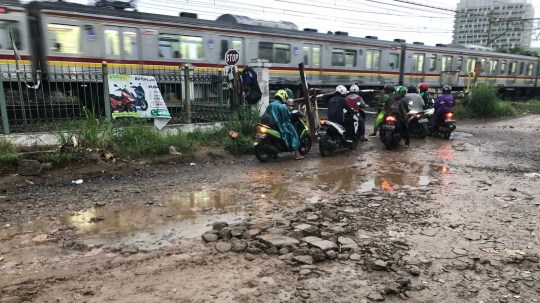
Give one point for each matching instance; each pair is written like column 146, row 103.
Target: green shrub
column 239, row 145
column 462, row 112
column 503, row 109
column 483, row 100
column 243, row 121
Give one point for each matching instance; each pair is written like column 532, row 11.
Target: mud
column 452, row 220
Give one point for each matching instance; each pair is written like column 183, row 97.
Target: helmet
column 400, row 90
column 281, row 95
column 389, row 88
column 412, row 89
column 447, row 89
column 423, row 86
column 290, row 94
column 354, row 89
column 341, row 90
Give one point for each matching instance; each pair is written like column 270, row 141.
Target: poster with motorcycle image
column 138, row 97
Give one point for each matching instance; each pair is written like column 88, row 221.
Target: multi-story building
column 472, row 23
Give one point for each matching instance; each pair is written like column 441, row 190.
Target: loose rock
column 223, row 247
column 210, row 237
column 29, row 168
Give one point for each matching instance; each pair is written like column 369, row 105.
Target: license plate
column 450, row 121
column 321, row 133
column 390, row 127
column 424, row 120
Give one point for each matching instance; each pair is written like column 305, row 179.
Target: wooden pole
column 307, row 101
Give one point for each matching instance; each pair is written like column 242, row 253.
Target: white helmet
column 341, row 89
column 354, row 89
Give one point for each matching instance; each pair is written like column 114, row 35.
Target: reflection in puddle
column 336, row 181
column 115, row 222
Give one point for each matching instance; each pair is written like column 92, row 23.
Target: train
column 69, row 37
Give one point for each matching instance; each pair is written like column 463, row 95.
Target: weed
column 503, row 109
column 483, row 101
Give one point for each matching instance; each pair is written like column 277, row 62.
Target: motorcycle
column 389, row 132
column 139, row 97
column 445, row 126
column 268, row 141
column 122, row 103
column 418, row 124
column 332, row 136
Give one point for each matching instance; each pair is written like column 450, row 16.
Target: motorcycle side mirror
column 431, row 101
column 130, row 83
column 115, row 85
column 358, row 103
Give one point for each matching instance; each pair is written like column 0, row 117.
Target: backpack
column 252, row 91
column 333, row 108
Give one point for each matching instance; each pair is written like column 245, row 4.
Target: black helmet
column 389, row 88
column 447, row 89
column 411, row 89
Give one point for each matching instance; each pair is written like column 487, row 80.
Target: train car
column 14, row 20
column 67, row 38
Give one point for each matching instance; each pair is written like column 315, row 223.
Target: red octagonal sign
column 232, row 57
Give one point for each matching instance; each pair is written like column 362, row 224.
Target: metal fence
column 66, row 91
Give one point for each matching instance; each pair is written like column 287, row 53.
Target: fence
column 65, row 92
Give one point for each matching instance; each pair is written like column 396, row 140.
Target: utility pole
column 490, row 29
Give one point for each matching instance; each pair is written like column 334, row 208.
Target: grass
column 484, row 103
column 9, row 157
column 532, row 106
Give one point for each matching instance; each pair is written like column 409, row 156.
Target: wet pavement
column 458, row 218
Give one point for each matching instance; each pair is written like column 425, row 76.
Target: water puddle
column 336, row 181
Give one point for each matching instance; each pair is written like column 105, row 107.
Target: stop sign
column 232, row 57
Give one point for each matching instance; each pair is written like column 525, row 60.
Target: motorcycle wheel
column 447, row 135
column 144, row 105
column 324, row 147
column 305, row 145
column 354, row 144
column 261, row 152
column 388, row 142
column 131, row 109
column 422, row 131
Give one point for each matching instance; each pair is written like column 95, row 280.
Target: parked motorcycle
column 418, row 124
column 139, row 97
column 332, row 136
column 122, row 103
column 389, row 132
column 446, row 125
column 268, row 141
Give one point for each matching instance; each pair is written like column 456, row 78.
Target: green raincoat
column 279, row 112
column 381, row 114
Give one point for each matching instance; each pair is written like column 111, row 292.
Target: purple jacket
column 444, row 103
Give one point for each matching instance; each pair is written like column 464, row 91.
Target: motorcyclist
column 444, row 104
column 280, row 115
column 415, row 101
column 335, row 112
column 352, row 100
column 397, row 105
column 290, row 95
column 423, row 88
column 387, row 91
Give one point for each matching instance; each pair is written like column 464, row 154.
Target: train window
column 471, row 64
column 224, row 48
column 503, row 67
column 433, row 63
column 393, row 61
column 522, row 68
column 482, row 65
column 316, row 56
column 307, row 52
column 344, row 57
column 5, row 28
column 64, row 38
column 180, row 47
column 130, row 43
column 112, row 42
column 512, row 70
column 418, row 62
column 446, row 64
column 237, row 45
column 493, row 66
column 530, row 68
column 459, row 63
column 275, row 52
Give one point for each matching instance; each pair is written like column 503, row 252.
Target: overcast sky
column 386, row 19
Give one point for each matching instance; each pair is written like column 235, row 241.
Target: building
column 474, row 28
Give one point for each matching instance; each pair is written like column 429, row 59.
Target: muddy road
column 444, row 221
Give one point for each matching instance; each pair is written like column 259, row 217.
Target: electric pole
column 490, row 29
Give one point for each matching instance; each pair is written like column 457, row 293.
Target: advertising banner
column 139, row 97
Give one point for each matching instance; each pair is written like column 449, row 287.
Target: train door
column 512, row 73
column 237, row 43
column 417, row 71
column 312, row 62
column 122, row 47
column 373, row 65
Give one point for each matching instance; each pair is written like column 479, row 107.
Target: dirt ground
column 444, row 221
